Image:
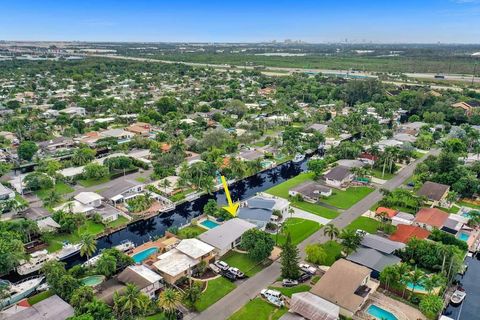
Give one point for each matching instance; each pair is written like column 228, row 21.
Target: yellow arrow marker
column 232, row 207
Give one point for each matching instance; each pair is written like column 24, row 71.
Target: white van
column 271, row 293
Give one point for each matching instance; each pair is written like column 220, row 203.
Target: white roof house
column 47, row 224
column 194, row 248
column 75, row 207
column 88, row 197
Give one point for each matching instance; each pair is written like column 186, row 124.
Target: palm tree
column 331, row 231
column 350, row 240
column 169, row 301
column 165, row 183
column 51, row 199
column 432, row 282
column 88, row 245
column 416, row 277
column 131, row 300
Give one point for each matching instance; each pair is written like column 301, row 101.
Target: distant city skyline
column 393, row 21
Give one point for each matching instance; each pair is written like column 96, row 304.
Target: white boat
column 458, row 296
column 125, row 246
column 298, row 158
column 92, row 261
column 68, row 250
column 19, row 290
column 36, row 262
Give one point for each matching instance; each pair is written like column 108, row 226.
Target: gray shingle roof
column 373, row 259
column 381, row 244
column 222, row 236
column 433, row 191
column 338, row 173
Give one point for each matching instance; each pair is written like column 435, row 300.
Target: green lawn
column 141, row 179
column 452, row 209
column 117, row 223
column 315, row 209
column 55, row 243
column 242, row 262
column 299, row 229
column 39, row 297
column 333, row 250
column 216, row 290
column 345, row 199
column 291, row 290
column 61, row 188
column 157, row 316
column 258, row 309
column 92, row 182
column 468, row 204
column 190, row 232
column 377, row 173
column 366, row 224
column 281, row 190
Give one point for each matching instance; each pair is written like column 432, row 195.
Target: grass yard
column 61, row 188
column 333, row 250
column 346, row 199
column 56, row 242
column 92, row 182
column 299, row 230
column 366, row 224
column 258, row 309
column 39, row 297
column 190, row 232
column 243, row 262
column 377, row 173
column 315, row 209
column 281, row 190
column 216, row 289
column 291, row 290
column 468, row 204
column 157, row 316
column 117, row 223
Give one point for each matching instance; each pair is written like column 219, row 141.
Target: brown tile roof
column 431, row 216
column 340, row 282
column 389, row 212
column 406, row 232
column 433, row 191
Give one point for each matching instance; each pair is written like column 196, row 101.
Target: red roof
column 405, row 232
column 390, row 212
column 431, row 216
column 24, row 303
column 369, row 156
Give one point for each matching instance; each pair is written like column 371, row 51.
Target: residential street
column 226, row 306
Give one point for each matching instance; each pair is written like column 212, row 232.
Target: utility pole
column 474, row 70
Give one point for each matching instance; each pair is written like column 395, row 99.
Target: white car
column 222, row 265
column 236, row 272
column 214, row 268
column 307, row 268
column 266, row 293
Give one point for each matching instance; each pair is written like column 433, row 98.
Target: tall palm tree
column 165, row 183
column 169, row 301
column 350, row 240
column 131, row 300
column 416, row 277
column 51, row 199
column 331, row 231
column 88, row 245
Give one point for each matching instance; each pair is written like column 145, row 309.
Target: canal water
column 144, row 230
column 470, row 281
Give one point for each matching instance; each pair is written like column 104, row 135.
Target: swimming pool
column 417, row 288
column 93, row 281
column 463, row 236
column 209, row 224
column 380, row 313
column 143, row 255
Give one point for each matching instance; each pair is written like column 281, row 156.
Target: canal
column 144, row 230
column 470, row 281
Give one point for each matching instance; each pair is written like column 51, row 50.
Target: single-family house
column 338, row 176
column 89, row 198
column 258, row 210
column 6, row 193
column 430, row 218
column 310, row 191
column 436, row 193
column 311, row 307
column 318, row 127
column 467, row 106
column 404, row 233
column 122, row 190
column 51, row 308
column 119, row 134
column 74, row 111
column 226, row 236
column 403, row 218
column 47, row 224
column 250, row 155
column 146, row 280
column 57, row 143
column 181, row 261
column 346, row 284
column 140, row 128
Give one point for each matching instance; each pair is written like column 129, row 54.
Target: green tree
column 83, row 156
column 88, row 245
column 331, row 231
column 106, row 265
column 51, row 199
column 95, row 171
column 317, row 167
column 431, row 306
column 192, row 294
column 258, row 243
column 350, row 240
column 81, row 297
column 289, row 259
column 169, row 301
column 316, row 254
column 26, row 150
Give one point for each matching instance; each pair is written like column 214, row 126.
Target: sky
column 379, row 21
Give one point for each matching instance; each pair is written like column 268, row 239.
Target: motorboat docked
column 298, row 158
column 20, row 290
column 36, row 262
column 68, row 250
column 125, row 246
column 458, row 296
column 92, row 261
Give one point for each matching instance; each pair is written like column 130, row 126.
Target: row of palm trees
column 350, row 239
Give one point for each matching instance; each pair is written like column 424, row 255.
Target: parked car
column 222, row 265
column 307, row 268
column 214, row 268
column 304, row 277
column 289, row 282
column 278, row 302
column 230, row 276
column 271, row 293
column 236, row 272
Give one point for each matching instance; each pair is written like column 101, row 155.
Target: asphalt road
column 249, row 289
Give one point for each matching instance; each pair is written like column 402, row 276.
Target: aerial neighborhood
column 137, row 189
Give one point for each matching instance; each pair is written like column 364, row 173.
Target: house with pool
column 182, row 260
column 226, row 236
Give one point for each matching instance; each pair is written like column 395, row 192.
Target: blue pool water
column 417, row 287
column 463, row 236
column 209, row 224
column 380, row 313
column 143, row 255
